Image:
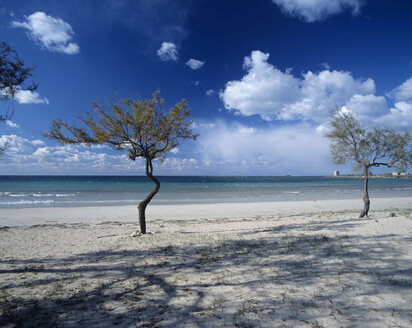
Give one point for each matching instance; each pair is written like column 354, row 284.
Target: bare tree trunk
column 143, row 204
column 366, row 201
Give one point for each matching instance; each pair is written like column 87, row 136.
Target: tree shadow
column 247, row 281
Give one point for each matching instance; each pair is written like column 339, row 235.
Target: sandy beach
column 285, row 264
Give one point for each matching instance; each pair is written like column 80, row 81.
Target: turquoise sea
column 59, row 191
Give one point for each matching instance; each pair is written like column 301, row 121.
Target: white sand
column 290, row 264
column 93, row 215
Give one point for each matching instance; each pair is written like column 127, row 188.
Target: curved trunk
column 366, row 201
column 143, row 204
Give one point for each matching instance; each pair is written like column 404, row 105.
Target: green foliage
column 367, row 148
column 142, row 128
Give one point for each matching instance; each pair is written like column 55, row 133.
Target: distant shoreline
column 380, row 176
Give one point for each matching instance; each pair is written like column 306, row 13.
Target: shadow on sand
column 255, row 281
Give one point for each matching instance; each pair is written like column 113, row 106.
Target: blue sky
column 261, row 77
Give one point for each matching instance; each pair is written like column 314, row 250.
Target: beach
column 269, row 264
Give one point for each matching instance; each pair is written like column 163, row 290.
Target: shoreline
column 128, row 213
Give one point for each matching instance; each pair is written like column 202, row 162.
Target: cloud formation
column 402, row 92
column 263, row 91
column 273, row 94
column 233, row 148
column 30, row 97
column 12, row 124
column 195, row 64
column 25, row 156
column 168, row 52
column 52, row 33
column 318, row 10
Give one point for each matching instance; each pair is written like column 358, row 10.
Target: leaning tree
column 13, row 78
column 141, row 128
column 350, row 141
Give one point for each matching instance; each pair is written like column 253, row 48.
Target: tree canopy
column 350, row 141
column 13, row 75
column 142, row 128
column 367, row 148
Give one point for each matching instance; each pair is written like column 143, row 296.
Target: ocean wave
column 291, row 192
column 65, row 195
column 28, row 202
column 19, row 195
column 36, row 194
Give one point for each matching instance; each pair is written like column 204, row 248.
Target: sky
column 262, row 78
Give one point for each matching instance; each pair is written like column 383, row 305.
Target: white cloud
column 264, row 90
column 232, row 148
column 17, row 144
column 30, row 97
column 324, row 92
column 317, row 10
column 403, row 92
column 210, row 92
column 52, row 33
column 272, row 94
column 399, row 117
column 168, row 52
column 26, row 156
column 325, row 66
column 195, row 64
column 12, row 124
column 368, row 106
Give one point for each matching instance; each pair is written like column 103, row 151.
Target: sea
column 77, row 191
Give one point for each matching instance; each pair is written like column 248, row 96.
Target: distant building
column 336, row 173
column 395, row 174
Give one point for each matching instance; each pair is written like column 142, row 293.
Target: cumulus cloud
column 367, row 106
column 399, row 117
column 403, row 92
column 323, row 92
column 30, row 97
column 168, row 52
column 52, row 33
column 210, row 92
column 273, row 94
column 317, row 10
column 195, row 64
column 263, row 91
column 17, row 144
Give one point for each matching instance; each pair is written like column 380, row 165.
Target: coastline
column 128, row 213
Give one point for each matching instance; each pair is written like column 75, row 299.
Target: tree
column 13, row 76
column 141, row 128
column 350, row 141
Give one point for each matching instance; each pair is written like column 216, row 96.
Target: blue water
column 58, row 191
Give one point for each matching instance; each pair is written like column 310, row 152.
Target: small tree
column 139, row 127
column 367, row 148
